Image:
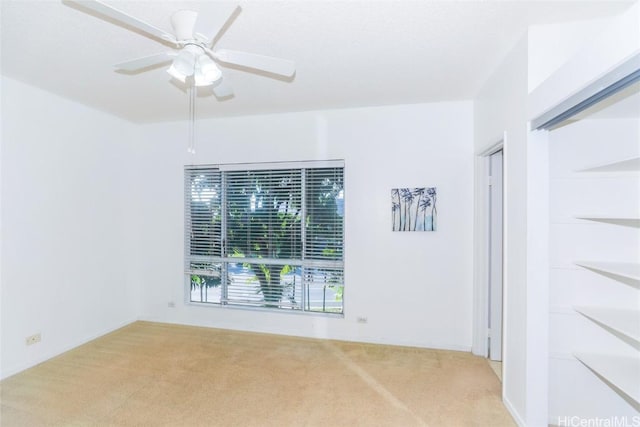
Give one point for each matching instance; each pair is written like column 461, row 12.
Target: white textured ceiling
column 348, row 53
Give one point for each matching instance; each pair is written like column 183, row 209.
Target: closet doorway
column 495, row 251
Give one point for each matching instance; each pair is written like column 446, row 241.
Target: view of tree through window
column 266, row 237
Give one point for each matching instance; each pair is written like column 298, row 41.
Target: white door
column 495, row 256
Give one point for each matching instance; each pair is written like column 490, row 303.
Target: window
column 266, row 235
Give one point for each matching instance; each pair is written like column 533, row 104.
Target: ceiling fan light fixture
column 185, row 63
column 207, row 72
column 173, row 72
column 199, row 81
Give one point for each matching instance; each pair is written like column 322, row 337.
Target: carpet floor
column 151, row 374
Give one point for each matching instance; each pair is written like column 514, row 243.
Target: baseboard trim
column 364, row 340
column 516, row 416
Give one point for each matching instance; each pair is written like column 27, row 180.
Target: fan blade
column 146, row 61
column 283, row 67
column 212, row 28
column 222, row 90
column 123, row 18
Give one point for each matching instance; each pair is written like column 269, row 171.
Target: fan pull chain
column 192, row 120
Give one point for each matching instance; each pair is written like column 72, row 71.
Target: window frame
column 308, row 267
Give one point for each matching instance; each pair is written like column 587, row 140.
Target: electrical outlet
column 171, row 304
column 33, row 339
column 361, row 319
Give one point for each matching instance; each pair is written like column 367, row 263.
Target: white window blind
column 261, row 237
column 203, row 229
column 324, row 237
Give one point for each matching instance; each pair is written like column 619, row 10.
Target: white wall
column 501, row 107
column 552, row 45
column 1, row 234
column 616, row 41
column 414, row 288
column 64, row 179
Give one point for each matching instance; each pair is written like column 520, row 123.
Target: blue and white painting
column 414, row 209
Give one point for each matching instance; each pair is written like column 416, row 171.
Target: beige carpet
column 150, row 374
column 496, row 367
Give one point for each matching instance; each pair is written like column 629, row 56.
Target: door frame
column 481, row 244
column 495, row 260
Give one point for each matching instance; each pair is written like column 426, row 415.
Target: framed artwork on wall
column 414, row 209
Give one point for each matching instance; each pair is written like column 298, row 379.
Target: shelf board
column 628, row 270
column 627, row 165
column 619, row 372
column 628, row 221
column 625, row 322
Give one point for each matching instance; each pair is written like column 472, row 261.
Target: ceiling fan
column 193, row 62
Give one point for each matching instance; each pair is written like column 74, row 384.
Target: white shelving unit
column 630, row 166
column 625, row 322
column 620, row 373
column 627, row 165
column 627, row 270
column 594, row 257
column 627, row 221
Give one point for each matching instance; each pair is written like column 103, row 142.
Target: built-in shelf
column 625, row 322
column 628, row 165
column 619, row 372
column 628, row 270
column 628, row 221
